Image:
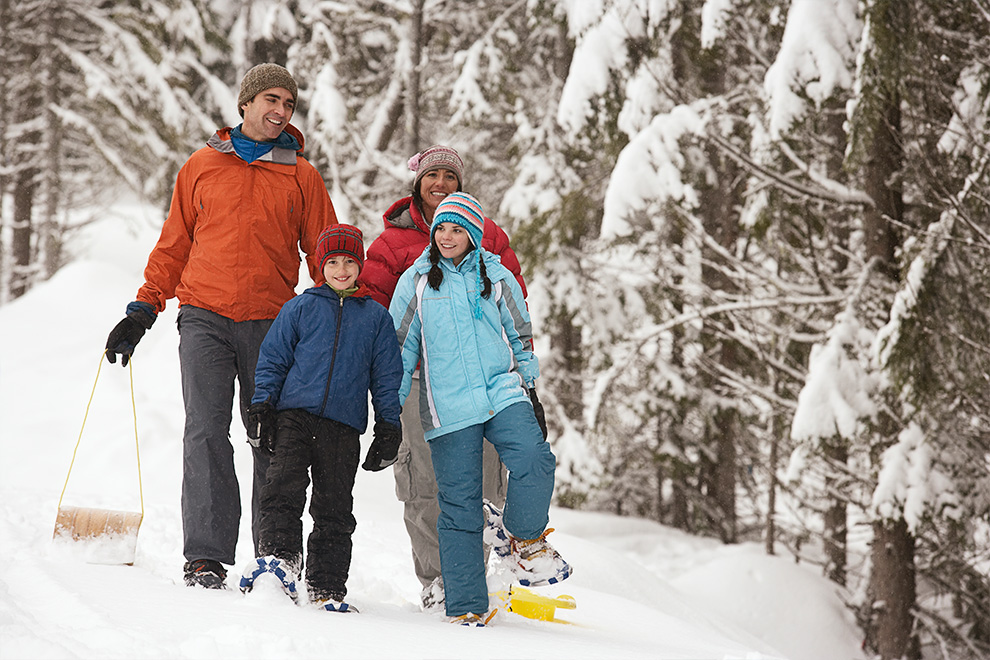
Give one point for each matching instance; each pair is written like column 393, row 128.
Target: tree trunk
column 777, row 426
column 50, row 234
column 720, row 219
column 892, row 591
column 412, row 98
column 5, row 38
column 892, row 580
column 565, row 338
column 724, row 479
column 404, row 97
column 396, row 100
column 835, row 521
column 679, row 516
column 885, row 163
column 21, row 267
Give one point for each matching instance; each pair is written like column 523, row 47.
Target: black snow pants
column 330, row 449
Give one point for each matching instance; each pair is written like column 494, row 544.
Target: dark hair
column 435, row 277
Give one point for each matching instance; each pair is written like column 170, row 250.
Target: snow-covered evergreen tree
column 118, row 92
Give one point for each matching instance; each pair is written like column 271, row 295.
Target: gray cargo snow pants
column 213, row 351
column 416, row 488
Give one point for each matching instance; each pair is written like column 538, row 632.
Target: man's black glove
column 541, row 417
column 261, row 426
column 126, row 334
column 384, row 448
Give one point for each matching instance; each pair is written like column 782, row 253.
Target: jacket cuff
column 143, row 313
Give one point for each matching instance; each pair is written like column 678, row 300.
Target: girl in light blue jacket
column 461, row 319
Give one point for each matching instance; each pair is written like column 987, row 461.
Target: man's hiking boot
column 205, row 573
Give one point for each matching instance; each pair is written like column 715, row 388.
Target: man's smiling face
column 267, row 114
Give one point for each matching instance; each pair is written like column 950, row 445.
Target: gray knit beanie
column 262, row 77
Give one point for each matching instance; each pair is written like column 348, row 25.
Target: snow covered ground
column 643, row 590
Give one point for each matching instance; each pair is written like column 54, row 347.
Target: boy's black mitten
column 261, row 426
column 126, row 334
column 384, row 448
column 541, row 416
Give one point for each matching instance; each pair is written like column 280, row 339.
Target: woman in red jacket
column 439, row 172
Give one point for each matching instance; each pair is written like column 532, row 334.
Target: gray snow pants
column 213, row 351
column 416, row 488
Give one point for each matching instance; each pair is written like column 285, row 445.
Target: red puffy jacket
column 405, row 237
column 230, row 243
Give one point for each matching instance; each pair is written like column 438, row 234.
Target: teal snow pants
column 457, row 462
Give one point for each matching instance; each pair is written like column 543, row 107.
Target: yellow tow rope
column 137, row 449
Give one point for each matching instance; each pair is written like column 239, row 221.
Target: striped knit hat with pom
column 341, row 239
column 464, row 210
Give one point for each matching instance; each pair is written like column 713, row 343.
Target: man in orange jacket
column 229, row 251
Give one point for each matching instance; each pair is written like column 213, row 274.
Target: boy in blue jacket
column 326, row 349
column 460, row 315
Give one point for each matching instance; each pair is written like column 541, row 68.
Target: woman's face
column 453, row 241
column 433, row 187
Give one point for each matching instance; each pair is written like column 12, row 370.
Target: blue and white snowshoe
column 270, row 564
column 533, row 562
column 495, row 534
column 331, row 605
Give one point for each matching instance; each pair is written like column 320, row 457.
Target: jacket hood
column 223, row 136
column 403, row 214
column 296, row 133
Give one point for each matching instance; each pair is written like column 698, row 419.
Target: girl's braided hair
column 435, row 276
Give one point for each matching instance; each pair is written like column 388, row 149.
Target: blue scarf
column 250, row 151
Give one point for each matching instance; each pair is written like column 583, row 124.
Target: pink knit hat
column 437, row 157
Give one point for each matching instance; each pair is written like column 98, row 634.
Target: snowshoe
column 535, row 563
column 331, row 605
column 433, row 595
column 270, row 564
column 495, row 534
column 473, row 620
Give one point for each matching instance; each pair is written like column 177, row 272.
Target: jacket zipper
column 333, row 358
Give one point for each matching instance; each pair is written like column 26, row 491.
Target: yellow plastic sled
column 532, row 605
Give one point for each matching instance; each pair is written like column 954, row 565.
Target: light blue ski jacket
column 470, row 368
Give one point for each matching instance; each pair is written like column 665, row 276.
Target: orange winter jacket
column 230, row 243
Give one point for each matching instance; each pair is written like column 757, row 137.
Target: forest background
column 755, row 233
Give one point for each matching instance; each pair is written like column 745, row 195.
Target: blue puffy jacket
column 323, row 353
column 470, row 368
